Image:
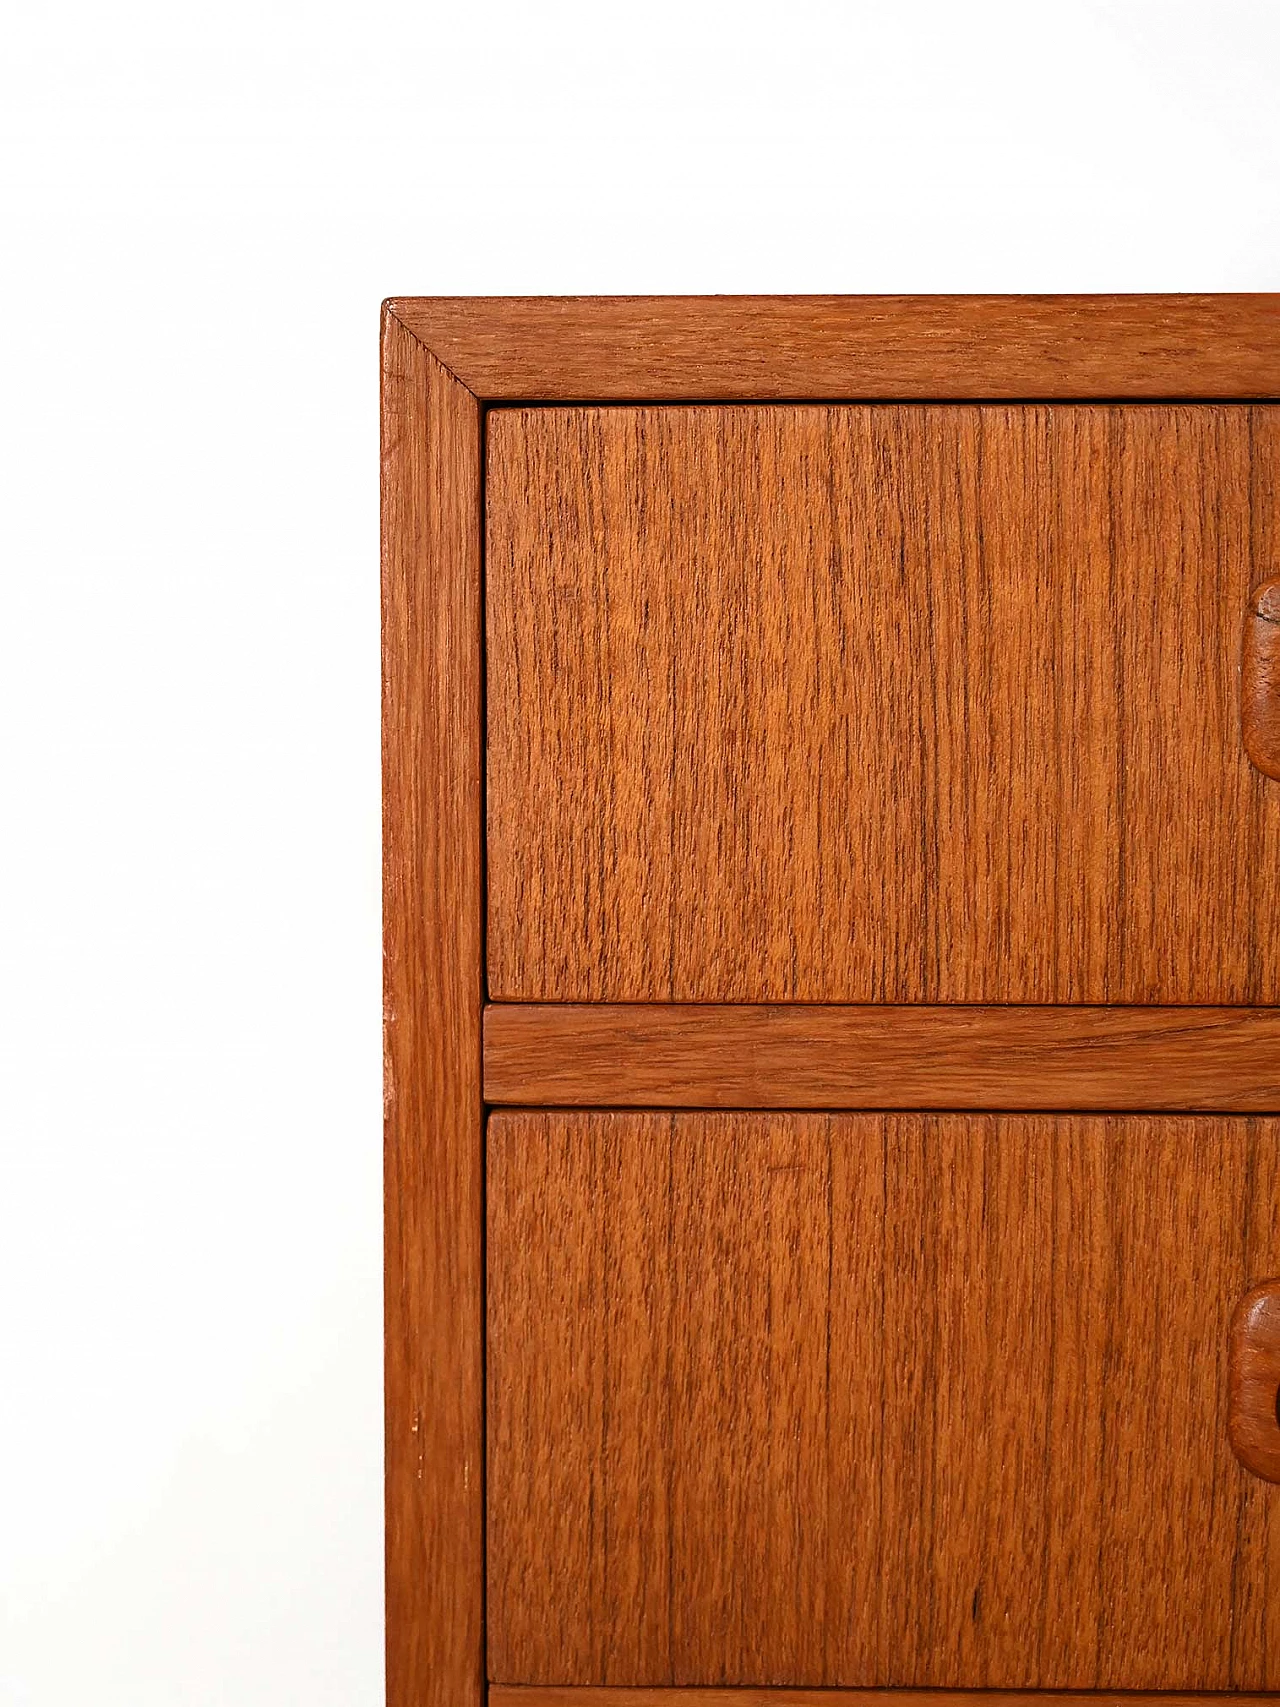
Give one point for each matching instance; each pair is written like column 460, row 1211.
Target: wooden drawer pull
column 1253, row 1411
column 1260, row 678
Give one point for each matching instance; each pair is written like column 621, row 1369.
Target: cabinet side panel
column 431, row 472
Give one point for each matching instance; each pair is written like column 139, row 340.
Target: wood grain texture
column 692, row 348
column 878, row 704
column 686, row 1055
column 920, row 1400
column 535, row 1695
column 1253, row 1417
column 1260, row 678
column 433, row 989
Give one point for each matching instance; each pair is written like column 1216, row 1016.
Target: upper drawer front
column 878, row 703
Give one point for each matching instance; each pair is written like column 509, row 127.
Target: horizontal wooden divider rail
column 524, row 1695
column 678, row 1055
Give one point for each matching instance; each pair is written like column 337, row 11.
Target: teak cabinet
column 832, row 778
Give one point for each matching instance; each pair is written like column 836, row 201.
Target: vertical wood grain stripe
column 433, row 991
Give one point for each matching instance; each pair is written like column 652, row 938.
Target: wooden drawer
column 876, row 1400
column 878, row 703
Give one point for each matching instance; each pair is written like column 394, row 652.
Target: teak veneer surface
column 433, row 988
column 930, row 1400
column 878, row 703
column 683, row 1055
column 698, row 347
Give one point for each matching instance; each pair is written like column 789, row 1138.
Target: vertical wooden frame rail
column 433, row 991
column 443, row 362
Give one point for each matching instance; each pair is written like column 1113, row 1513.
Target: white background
column 201, row 208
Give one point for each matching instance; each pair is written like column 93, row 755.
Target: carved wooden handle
column 1260, row 678
column 1253, row 1381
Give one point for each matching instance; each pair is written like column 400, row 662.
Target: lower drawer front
column 930, row 1400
